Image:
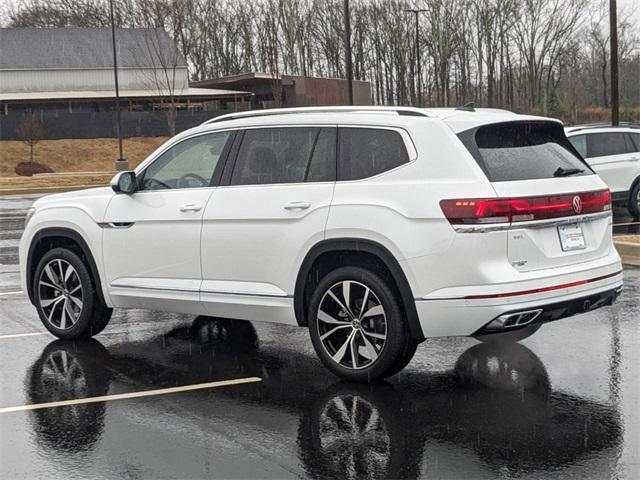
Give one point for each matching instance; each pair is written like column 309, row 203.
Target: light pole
column 347, row 42
column 416, row 12
column 121, row 162
column 613, row 35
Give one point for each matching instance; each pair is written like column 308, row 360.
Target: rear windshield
column 523, row 151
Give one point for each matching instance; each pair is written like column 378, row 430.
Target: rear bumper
column 564, row 309
column 468, row 316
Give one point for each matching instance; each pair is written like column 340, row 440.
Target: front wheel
column 66, row 298
column 356, row 325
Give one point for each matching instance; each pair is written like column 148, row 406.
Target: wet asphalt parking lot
column 562, row 404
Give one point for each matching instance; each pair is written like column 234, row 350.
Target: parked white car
column 614, row 154
column 374, row 227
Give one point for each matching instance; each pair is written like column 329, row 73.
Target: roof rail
column 575, row 128
column 411, row 111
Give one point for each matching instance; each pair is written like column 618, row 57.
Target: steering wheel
column 183, row 182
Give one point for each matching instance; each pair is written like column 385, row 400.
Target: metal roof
column 106, row 94
column 85, row 48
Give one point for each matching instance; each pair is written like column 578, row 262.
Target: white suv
column 374, row 227
column 614, row 154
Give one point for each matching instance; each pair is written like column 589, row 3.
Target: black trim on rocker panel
column 71, row 235
column 358, row 245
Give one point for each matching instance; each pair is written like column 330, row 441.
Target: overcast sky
column 630, row 4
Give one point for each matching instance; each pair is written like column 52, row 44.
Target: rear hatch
column 558, row 209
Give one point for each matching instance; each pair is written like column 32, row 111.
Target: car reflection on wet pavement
column 497, row 404
column 562, row 404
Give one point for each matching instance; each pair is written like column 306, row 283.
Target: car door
column 151, row 239
column 611, row 155
column 258, row 227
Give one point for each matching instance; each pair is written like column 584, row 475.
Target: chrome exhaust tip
column 510, row 321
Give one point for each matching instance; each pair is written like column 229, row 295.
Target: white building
column 71, row 70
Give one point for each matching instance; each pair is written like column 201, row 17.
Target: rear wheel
column 634, row 201
column 356, row 326
column 66, row 298
column 509, row 337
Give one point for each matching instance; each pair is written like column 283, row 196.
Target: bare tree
column 30, row 132
column 163, row 75
column 527, row 55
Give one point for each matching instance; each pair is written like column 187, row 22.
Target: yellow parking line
column 16, row 335
column 123, row 396
column 17, row 292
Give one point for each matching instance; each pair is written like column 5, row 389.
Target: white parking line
column 123, row 396
column 17, row 335
column 16, row 292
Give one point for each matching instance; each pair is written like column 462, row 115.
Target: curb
column 629, row 250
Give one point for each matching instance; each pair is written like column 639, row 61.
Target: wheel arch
column 54, row 237
column 363, row 249
column 634, row 183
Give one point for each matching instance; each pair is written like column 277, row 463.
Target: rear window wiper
column 565, row 172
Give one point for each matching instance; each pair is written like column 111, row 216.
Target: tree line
column 543, row 56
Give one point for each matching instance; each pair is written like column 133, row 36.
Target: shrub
column 27, row 169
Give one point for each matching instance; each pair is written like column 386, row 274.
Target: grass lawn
column 72, row 155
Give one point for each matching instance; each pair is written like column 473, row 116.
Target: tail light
column 507, row 210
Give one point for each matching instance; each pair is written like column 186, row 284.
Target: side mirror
column 124, row 182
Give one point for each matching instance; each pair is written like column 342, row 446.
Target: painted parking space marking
column 15, row 292
column 18, row 335
column 125, row 396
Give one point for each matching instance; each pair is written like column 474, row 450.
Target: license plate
column 571, row 237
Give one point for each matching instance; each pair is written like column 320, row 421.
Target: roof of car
column 602, row 127
column 458, row 119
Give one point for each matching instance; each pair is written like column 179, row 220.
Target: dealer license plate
column 571, row 237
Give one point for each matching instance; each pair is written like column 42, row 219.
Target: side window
column 579, row 142
column 365, row 152
column 603, row 144
column 285, row 155
column 635, row 141
column 188, row 164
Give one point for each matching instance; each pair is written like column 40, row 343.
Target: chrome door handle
column 191, row 207
column 297, row 206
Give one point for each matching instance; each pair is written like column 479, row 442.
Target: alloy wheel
column 60, row 294
column 352, row 324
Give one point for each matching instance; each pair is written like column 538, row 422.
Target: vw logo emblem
column 577, row 204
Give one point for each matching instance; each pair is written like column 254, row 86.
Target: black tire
column 509, row 337
column 393, row 353
column 405, row 357
column 94, row 315
column 634, row 201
